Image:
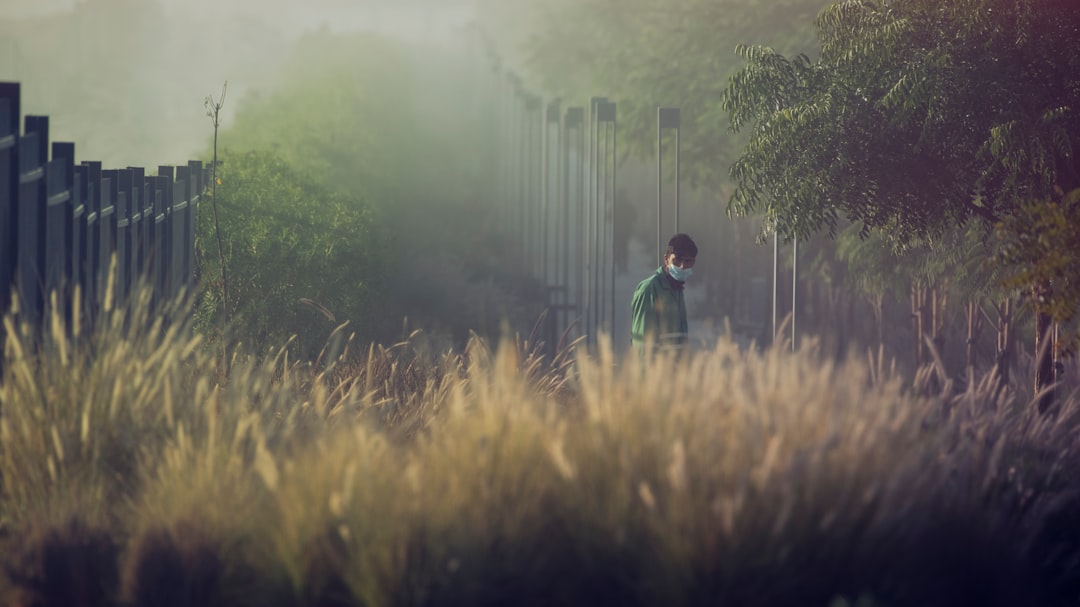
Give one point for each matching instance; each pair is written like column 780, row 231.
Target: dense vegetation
column 344, row 196
column 489, row 477
column 937, row 133
column 329, row 470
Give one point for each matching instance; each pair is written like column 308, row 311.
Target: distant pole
column 552, row 225
column 775, row 277
column 794, row 285
column 605, row 114
column 592, row 221
column 575, row 120
column 33, row 150
column 536, row 148
column 9, row 181
column 614, row 189
column 522, row 146
column 571, row 123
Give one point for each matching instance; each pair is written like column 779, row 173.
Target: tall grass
column 137, row 475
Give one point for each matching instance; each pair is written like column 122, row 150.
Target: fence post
column 61, row 178
column 33, row 156
column 125, row 226
column 138, row 226
column 80, row 229
column 9, row 189
column 108, row 217
column 198, row 175
column 178, row 231
column 574, row 123
column 162, row 197
column 92, row 275
column 606, row 174
column 168, row 187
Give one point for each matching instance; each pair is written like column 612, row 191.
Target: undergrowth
column 134, row 473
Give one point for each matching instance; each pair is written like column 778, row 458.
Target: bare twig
column 213, row 110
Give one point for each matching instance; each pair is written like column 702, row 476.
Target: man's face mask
column 678, row 273
column 679, row 266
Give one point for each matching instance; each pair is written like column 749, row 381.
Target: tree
column 302, row 258
column 647, row 53
column 1040, row 242
column 918, row 117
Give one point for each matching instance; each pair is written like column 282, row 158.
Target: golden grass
column 388, row 476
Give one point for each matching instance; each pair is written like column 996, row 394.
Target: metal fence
column 63, row 224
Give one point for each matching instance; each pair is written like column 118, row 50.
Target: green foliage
column 648, row 53
column 302, row 258
column 1040, row 241
column 927, row 122
column 367, row 117
column 917, row 117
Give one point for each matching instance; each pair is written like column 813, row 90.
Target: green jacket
column 658, row 311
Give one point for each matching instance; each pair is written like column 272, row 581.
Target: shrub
column 302, row 258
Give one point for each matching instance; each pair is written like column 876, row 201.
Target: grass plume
column 394, row 476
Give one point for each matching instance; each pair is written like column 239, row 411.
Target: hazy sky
column 296, row 15
column 126, row 91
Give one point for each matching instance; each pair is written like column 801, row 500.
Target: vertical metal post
column 167, row 175
column 57, row 219
column 33, row 158
column 535, row 227
column 532, row 104
column 180, row 208
column 550, row 195
column 9, row 189
column 600, row 224
column 125, row 234
column 794, row 286
column 61, row 205
column 79, row 230
column 575, row 195
column 592, row 223
column 775, row 279
column 509, row 201
column 522, row 153
column 606, row 118
column 572, row 125
column 522, row 174
column 107, row 217
column 552, row 225
column 93, row 234
column 162, row 200
column 192, row 220
column 138, row 227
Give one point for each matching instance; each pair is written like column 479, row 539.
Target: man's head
column 681, row 248
column 681, row 255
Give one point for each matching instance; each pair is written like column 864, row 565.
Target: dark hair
column 681, row 244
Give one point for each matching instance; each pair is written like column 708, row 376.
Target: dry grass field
column 134, row 473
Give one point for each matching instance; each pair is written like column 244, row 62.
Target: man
column 657, row 310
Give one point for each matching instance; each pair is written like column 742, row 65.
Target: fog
column 126, row 79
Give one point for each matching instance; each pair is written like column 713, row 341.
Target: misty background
column 125, row 79
column 395, row 104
